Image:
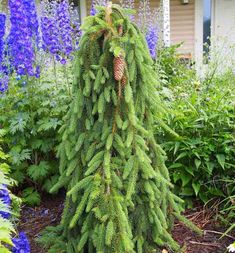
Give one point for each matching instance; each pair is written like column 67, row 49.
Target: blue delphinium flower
column 6, row 200
column 31, row 13
column 50, row 36
column 21, row 244
column 60, row 30
column 65, row 29
column 20, row 39
column 93, row 10
column 4, row 83
column 2, row 33
column 152, row 39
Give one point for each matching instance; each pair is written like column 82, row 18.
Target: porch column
column 165, row 5
column 83, row 9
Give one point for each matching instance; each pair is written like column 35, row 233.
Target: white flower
column 231, row 247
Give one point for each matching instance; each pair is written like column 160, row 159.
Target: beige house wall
column 182, row 23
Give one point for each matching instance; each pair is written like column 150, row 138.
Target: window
column 206, row 25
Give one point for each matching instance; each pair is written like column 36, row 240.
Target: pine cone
column 119, row 67
column 124, row 80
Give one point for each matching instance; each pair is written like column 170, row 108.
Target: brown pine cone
column 119, row 67
column 124, row 80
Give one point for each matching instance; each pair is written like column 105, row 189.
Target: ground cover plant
column 119, row 195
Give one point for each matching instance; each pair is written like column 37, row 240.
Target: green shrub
column 203, row 114
column 174, row 70
column 31, row 111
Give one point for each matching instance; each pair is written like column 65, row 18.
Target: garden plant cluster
column 108, row 114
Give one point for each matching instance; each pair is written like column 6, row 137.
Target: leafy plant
column 31, row 111
column 173, row 69
column 202, row 113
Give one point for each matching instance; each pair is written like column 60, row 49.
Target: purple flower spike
column 21, row 244
column 65, row 29
column 6, row 200
column 93, row 10
column 152, row 39
column 3, row 87
column 2, row 33
column 59, row 30
column 20, row 40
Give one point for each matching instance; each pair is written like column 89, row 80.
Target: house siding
column 182, row 21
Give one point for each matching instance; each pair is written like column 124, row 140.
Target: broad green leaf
column 210, row 166
column 175, row 165
column 187, row 191
column 177, row 145
column 196, row 187
column 181, row 155
column 197, row 163
column 189, row 170
column 221, row 159
column 185, row 178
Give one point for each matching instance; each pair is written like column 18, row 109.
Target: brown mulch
column 49, row 212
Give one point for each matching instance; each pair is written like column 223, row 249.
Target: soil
column 49, row 212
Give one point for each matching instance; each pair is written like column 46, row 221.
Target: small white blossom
column 231, row 247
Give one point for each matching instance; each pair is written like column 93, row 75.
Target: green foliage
column 202, row 114
column 227, row 208
column 31, row 114
column 119, row 195
column 173, row 69
column 30, row 196
column 6, row 231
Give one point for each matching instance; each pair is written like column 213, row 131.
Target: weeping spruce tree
column 119, row 197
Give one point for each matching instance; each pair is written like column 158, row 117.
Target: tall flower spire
column 65, row 29
column 2, row 33
column 152, row 40
column 20, row 39
column 59, row 29
column 31, row 13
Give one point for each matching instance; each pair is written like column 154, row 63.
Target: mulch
column 49, row 212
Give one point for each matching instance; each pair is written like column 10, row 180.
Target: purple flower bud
column 152, row 39
column 2, row 33
column 6, row 200
column 21, row 244
column 4, row 83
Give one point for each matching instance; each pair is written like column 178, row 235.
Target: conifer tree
column 119, row 197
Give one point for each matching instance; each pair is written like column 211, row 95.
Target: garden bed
column 49, row 213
